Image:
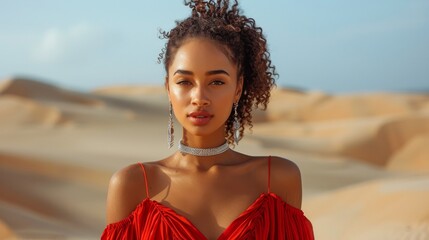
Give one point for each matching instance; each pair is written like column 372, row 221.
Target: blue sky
column 336, row 46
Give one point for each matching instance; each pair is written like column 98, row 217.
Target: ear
column 167, row 87
column 239, row 89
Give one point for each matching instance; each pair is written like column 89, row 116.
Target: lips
column 200, row 118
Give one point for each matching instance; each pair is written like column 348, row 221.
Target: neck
column 199, row 163
column 212, row 141
column 202, row 163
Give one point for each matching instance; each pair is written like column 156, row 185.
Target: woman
column 218, row 68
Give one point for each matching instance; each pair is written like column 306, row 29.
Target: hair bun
column 200, row 7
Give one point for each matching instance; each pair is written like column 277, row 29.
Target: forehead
column 202, row 54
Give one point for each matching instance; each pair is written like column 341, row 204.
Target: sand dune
column 413, row 157
column 6, row 233
column 364, row 106
column 363, row 157
column 383, row 209
column 30, row 102
column 32, row 89
column 18, row 111
column 291, row 105
column 367, row 127
column 371, row 140
column 48, row 199
column 130, row 90
column 318, row 106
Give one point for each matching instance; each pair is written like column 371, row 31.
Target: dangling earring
column 170, row 134
column 236, row 125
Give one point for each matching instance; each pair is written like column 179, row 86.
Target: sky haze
column 334, row 46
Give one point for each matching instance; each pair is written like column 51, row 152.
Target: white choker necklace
column 203, row 152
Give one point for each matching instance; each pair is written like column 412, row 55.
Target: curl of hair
column 246, row 45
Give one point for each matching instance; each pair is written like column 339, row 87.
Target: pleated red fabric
column 268, row 217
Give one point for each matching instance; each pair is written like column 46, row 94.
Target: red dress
column 268, row 217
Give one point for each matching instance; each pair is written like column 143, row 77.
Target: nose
column 200, row 96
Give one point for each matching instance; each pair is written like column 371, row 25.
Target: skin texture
column 209, row 191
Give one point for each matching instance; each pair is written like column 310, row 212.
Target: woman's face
column 202, row 86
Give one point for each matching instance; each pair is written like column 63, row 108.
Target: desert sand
column 364, row 158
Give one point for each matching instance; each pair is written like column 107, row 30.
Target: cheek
column 223, row 102
column 225, row 96
column 176, row 94
column 179, row 100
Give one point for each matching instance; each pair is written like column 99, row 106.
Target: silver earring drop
column 170, row 133
column 236, row 125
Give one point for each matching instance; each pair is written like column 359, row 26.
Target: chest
column 249, row 221
column 211, row 202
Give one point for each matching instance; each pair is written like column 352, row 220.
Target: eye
column 217, row 82
column 183, row 82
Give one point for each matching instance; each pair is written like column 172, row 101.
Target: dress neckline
column 163, row 208
column 190, row 223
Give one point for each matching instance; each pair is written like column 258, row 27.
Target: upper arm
column 126, row 191
column 286, row 181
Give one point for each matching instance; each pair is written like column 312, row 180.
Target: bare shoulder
column 126, row 191
column 286, row 181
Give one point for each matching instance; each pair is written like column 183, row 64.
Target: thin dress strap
column 145, row 179
column 269, row 173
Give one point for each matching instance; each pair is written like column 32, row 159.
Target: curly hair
column 218, row 21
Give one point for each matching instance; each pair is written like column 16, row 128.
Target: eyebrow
column 212, row 72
